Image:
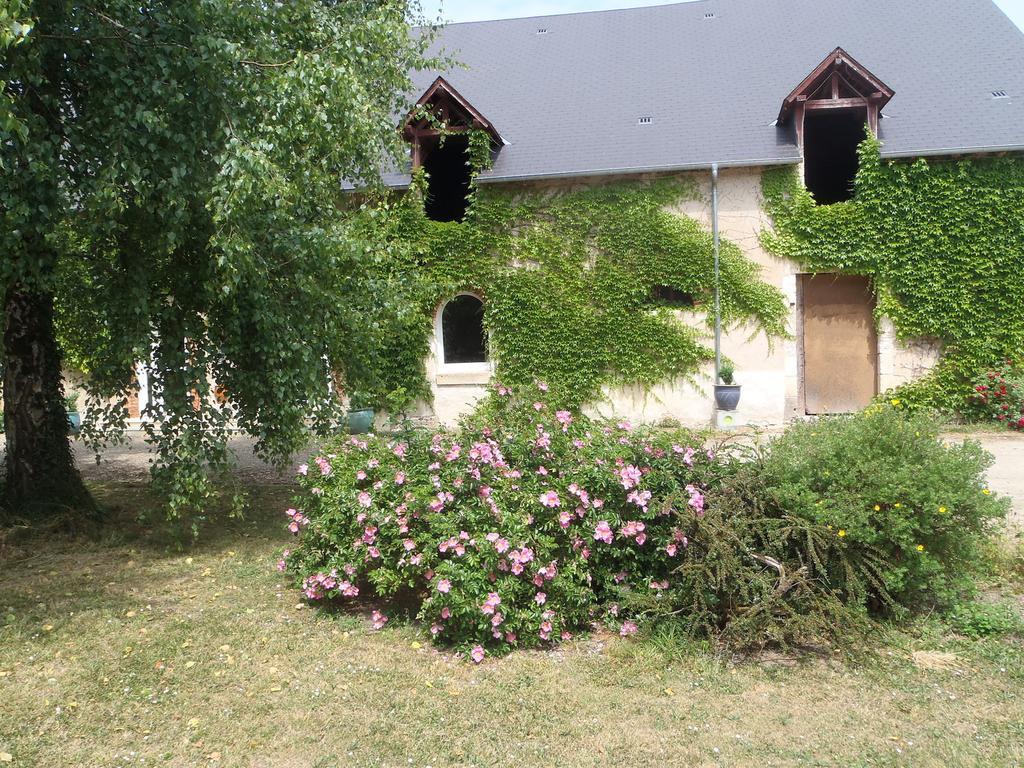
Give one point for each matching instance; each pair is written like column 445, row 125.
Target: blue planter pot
column 360, row 421
column 75, row 422
column 727, row 396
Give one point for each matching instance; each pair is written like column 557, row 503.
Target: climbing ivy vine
column 567, row 278
column 943, row 242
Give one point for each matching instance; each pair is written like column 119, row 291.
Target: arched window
column 462, row 336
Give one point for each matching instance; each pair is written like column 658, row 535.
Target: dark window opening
column 448, row 172
column 831, row 138
column 462, row 330
column 668, row 296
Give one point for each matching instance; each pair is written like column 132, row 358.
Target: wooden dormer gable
column 449, row 108
column 839, row 82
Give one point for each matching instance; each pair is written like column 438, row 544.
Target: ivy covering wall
column 566, row 277
column 943, row 242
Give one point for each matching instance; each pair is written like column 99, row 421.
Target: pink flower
column 564, row 518
column 477, row 654
column 671, row 549
column 492, row 602
column 409, row 545
column 446, row 612
column 400, row 450
column 564, row 418
column 696, row 499
column 628, row 628
column 364, row 499
column 540, row 598
column 640, row 498
column 603, row 532
column 379, row 620
column 399, row 478
column 550, row 499
column 303, row 469
column 538, row 406
column 444, row 586
column 324, row 464
column 360, row 475
column 542, row 386
column 501, row 546
column 629, row 476
column 282, row 565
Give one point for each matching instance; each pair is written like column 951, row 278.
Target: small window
column 448, row 178
column 667, row 296
column 463, row 338
column 831, row 138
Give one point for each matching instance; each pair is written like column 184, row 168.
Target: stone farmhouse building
column 742, row 85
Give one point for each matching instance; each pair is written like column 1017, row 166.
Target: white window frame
column 458, row 373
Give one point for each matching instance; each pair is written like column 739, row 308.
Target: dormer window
column 437, row 130
column 829, row 111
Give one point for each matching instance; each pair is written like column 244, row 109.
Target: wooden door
column 840, row 344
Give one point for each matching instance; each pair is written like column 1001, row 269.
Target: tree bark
column 42, row 480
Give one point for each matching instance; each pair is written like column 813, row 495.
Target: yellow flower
column 942, row 510
column 987, row 492
column 920, row 547
column 877, row 508
column 897, row 505
column 896, row 403
column 842, row 532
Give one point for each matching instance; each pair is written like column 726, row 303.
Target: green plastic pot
column 75, row 422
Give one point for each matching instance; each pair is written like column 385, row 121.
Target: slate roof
column 712, row 75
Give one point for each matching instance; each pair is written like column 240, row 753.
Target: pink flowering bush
column 510, row 535
column 530, row 523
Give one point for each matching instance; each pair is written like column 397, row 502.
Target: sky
column 479, row 10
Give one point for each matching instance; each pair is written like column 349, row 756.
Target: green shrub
column 884, row 482
column 976, row 619
column 530, row 523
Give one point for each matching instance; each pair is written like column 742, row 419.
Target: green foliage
column 883, row 482
column 978, row 619
column 943, row 242
column 567, row 278
column 71, row 402
column 727, row 372
column 172, row 174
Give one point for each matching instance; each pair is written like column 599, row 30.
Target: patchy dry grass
column 129, row 651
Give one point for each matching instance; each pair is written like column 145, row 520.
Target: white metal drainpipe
column 718, row 306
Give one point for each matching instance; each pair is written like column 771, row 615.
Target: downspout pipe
column 715, row 240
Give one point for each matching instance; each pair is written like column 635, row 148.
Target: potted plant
column 727, row 391
column 360, row 413
column 74, row 417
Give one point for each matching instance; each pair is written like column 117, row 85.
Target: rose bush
column 509, row 535
column 999, row 396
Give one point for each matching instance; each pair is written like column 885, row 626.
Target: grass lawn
column 130, row 651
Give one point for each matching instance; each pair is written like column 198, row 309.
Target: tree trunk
column 42, row 480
